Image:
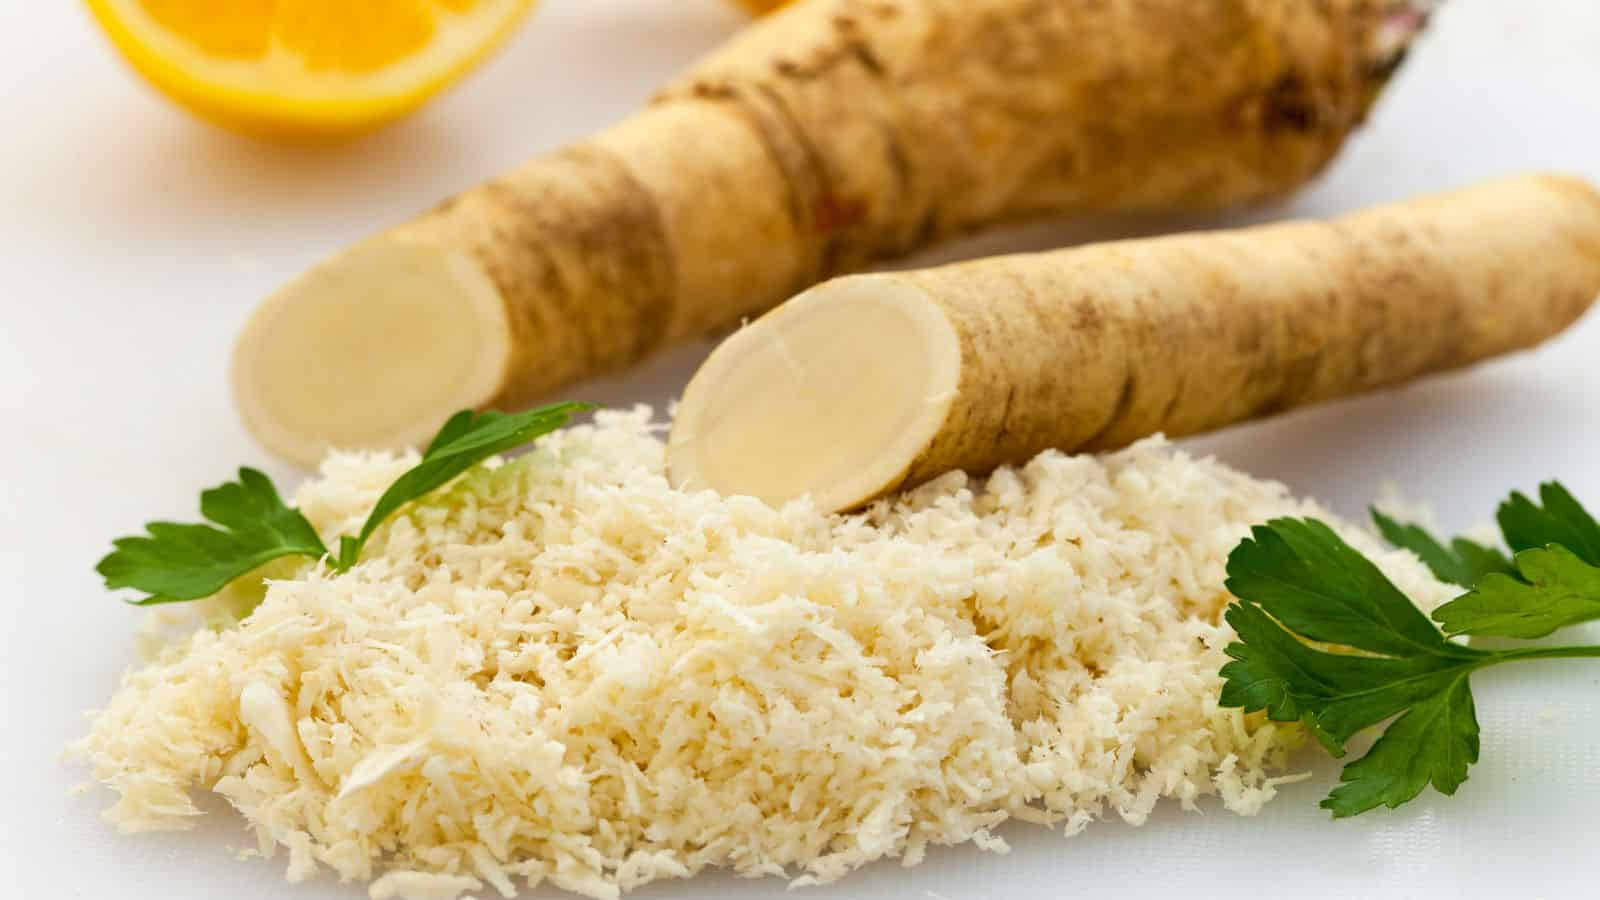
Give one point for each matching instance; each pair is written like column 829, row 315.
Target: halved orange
column 305, row 68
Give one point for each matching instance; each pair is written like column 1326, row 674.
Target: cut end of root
column 373, row 349
column 835, row 394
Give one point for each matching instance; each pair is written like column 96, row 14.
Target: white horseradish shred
column 563, row 670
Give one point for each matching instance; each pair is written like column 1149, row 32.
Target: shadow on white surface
column 190, row 172
column 190, row 179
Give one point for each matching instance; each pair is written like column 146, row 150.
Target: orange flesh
column 350, row 37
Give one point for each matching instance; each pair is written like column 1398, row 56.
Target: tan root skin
column 833, row 134
column 1098, row 346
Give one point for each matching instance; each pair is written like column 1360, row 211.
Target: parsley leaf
column 1562, row 521
column 466, row 440
column 1318, row 586
column 1463, row 562
column 1443, row 727
column 1557, row 589
column 1552, row 582
column 1325, row 639
column 1299, row 581
column 177, row 562
column 1334, row 694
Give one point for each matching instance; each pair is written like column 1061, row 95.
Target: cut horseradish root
column 790, row 155
column 868, row 384
column 304, row 375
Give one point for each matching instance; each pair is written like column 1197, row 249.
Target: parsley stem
column 1547, row 653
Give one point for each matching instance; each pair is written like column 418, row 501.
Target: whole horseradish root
column 830, row 135
column 870, row 383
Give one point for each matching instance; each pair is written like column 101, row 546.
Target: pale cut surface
column 833, row 394
column 435, row 316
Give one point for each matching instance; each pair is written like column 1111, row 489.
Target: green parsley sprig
column 1327, row 640
column 252, row 526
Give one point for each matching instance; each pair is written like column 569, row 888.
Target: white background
column 133, row 242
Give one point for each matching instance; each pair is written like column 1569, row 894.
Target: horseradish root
column 830, row 135
column 870, row 383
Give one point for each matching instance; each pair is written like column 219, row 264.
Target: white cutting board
column 133, row 242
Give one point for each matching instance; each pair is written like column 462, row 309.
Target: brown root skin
column 836, row 133
column 1096, row 347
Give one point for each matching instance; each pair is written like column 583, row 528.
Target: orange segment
column 363, row 38
column 305, row 68
column 242, row 31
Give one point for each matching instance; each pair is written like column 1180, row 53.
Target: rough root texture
column 1092, row 348
column 563, row 670
column 840, row 132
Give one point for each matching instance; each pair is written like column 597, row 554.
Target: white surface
column 133, row 242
